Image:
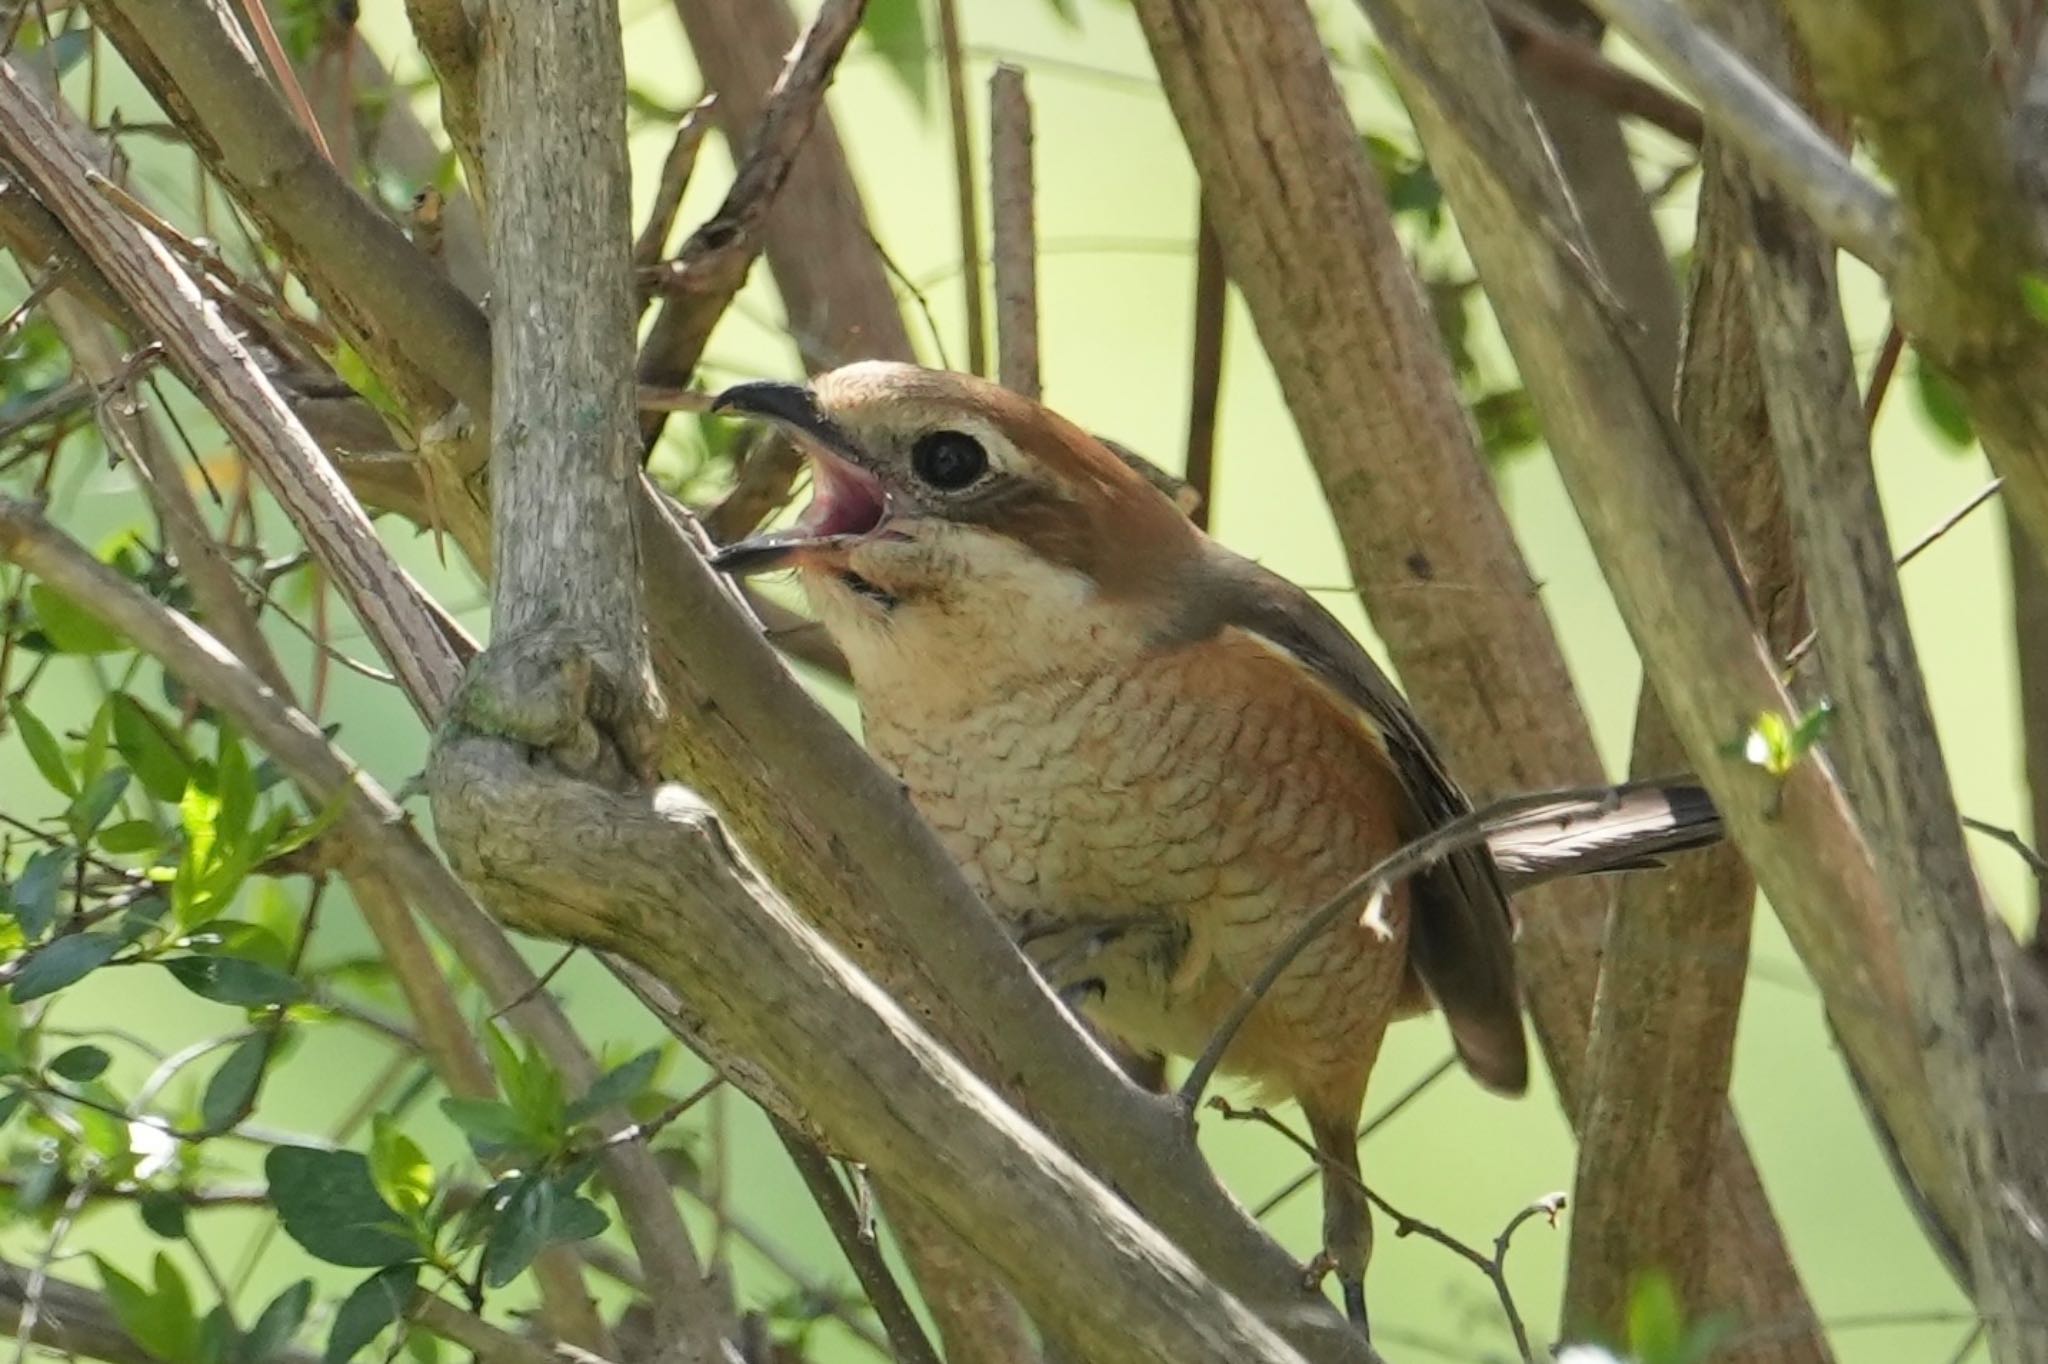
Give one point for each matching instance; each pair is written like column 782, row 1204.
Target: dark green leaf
column 576, row 1219
column 10, row 1103
column 238, row 938
column 376, row 1302
column 163, row 1320
column 897, row 30
column 219, row 1341
column 518, row 1231
column 232, row 1090
column 278, row 1323
column 489, row 1125
column 95, row 803
column 131, row 836
column 163, row 1213
column 81, row 1063
column 151, row 748
column 70, row 627
column 33, row 898
column 329, row 1205
column 58, row 964
column 234, row 980
column 43, row 750
column 1942, row 404
column 617, row 1086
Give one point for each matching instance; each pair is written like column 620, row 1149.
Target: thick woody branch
column 1543, row 43
column 1769, row 127
column 448, row 37
column 1676, row 949
column 564, row 449
column 1987, row 1102
column 1310, row 243
column 705, row 275
column 609, row 876
column 1660, row 550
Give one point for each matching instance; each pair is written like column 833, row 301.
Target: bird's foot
column 1319, row 1267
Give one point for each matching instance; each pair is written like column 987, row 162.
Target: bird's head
column 953, row 522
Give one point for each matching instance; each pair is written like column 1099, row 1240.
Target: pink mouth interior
column 844, row 500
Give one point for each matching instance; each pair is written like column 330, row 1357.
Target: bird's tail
column 1623, row 828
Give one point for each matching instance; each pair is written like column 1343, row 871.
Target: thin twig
column 885, row 1295
column 675, row 178
column 1799, row 651
column 1205, row 368
column 2035, row 862
column 1493, row 1266
column 1373, row 1124
column 955, row 62
column 1012, row 191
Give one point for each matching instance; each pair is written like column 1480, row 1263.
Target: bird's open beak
column 847, row 502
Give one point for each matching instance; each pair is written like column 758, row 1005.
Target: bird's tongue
column 846, row 503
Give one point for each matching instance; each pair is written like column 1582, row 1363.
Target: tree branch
column 1012, row 196
column 701, row 281
column 1676, row 949
column 1310, row 243
column 1769, row 127
column 77, row 1321
column 1660, row 551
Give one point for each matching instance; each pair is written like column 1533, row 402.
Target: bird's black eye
column 948, row 459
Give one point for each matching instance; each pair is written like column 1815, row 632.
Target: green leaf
column 576, row 1219
column 329, row 1204
column 277, row 1324
column 44, row 750
column 163, row 1320
column 57, row 964
column 519, row 1230
column 232, row 1090
column 238, row 938
column 151, row 748
column 1656, row 1325
column 234, row 980
column 376, row 1302
column 532, row 1086
column 33, row 898
column 2034, row 293
column 491, row 1127
column 1942, row 404
column 399, row 1168
column 236, row 784
column 71, row 628
column 163, row 1213
column 80, row 1063
column 617, row 1086
column 131, row 836
column 897, row 30
column 95, row 803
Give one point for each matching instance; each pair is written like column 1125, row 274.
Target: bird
column 1153, row 758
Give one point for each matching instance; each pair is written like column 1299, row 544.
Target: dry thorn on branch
column 1494, row 1266
column 1011, row 210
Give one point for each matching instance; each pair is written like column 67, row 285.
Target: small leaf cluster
column 387, row 1209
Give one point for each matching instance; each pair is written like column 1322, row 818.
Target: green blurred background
column 1116, row 213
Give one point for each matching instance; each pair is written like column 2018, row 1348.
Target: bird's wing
column 1462, row 938
column 1622, row 829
